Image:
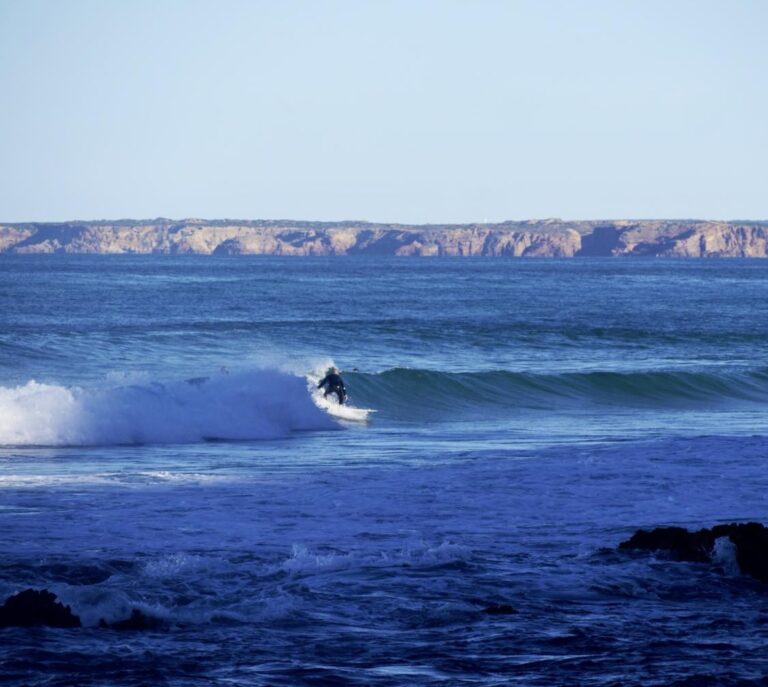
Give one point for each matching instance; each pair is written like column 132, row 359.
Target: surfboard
column 350, row 413
column 342, row 412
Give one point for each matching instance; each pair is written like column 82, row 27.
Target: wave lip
column 259, row 404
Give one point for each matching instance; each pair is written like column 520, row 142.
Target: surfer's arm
column 322, row 383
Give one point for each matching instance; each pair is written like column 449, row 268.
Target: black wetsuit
column 333, row 385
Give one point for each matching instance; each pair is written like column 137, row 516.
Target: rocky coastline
column 735, row 549
column 552, row 238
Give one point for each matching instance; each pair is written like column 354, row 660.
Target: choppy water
column 159, row 449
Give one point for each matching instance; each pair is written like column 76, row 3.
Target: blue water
column 161, row 449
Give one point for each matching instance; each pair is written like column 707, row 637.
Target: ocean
column 162, row 449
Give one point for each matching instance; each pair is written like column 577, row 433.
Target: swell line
column 404, row 389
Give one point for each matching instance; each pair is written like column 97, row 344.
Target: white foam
column 302, row 560
column 724, row 554
column 173, row 564
column 258, row 404
column 93, row 603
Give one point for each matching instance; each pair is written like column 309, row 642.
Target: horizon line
column 375, row 222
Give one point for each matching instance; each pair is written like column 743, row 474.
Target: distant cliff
column 533, row 238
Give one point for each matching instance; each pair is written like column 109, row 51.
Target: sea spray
column 258, row 404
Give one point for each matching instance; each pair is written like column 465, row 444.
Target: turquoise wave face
column 403, row 392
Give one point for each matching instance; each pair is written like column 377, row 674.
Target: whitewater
column 163, row 448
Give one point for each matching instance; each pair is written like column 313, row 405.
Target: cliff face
column 548, row 238
column 12, row 236
column 676, row 239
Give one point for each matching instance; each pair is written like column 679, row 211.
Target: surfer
column 333, row 384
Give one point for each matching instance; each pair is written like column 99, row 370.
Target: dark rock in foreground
column 749, row 539
column 33, row 608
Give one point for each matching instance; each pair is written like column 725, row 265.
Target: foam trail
column 259, row 404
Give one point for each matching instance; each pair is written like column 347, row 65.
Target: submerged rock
column 36, row 607
column 750, row 541
column 499, row 609
column 137, row 621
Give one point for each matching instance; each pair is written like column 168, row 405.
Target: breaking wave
column 270, row 404
column 261, row 404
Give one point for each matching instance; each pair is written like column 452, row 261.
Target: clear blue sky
column 396, row 110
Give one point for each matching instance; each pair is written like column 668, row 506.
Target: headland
column 553, row 238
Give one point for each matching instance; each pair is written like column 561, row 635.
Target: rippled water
column 160, row 449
